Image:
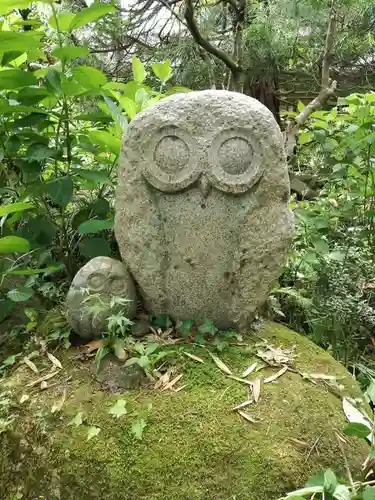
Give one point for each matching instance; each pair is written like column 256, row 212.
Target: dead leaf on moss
column 172, row 382
column 275, row 356
column 164, row 379
column 30, row 364
column 222, row 366
column 43, row 385
column 243, row 405
column 272, row 378
column 54, row 360
column 301, row 443
column 42, row 379
column 192, row 356
column 24, row 398
column 248, row 417
column 94, row 345
column 180, row 388
column 256, row 389
column 249, row 370
column 242, row 380
column 57, row 406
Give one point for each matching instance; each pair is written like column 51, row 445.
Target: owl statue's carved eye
column 171, row 163
column 117, row 285
column 235, row 161
column 96, row 281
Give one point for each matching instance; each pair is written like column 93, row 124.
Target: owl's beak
column 204, row 185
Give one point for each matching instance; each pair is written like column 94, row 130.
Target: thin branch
column 204, row 43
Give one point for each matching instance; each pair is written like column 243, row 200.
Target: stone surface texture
column 202, row 217
column 100, row 279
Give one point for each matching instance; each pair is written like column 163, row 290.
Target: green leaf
column 8, row 5
column 330, row 481
column 357, row 430
column 118, row 409
column 30, row 272
column 94, row 12
column 370, row 391
column 64, row 20
column 14, row 207
column 106, row 141
column 208, row 327
column 369, row 493
column 300, row 106
column 139, row 72
column 321, row 246
column 163, row 70
column 60, row 190
column 342, row 492
column 14, row 244
column 70, row 52
column 95, row 225
column 10, row 56
column 6, row 307
column 20, row 294
column 94, row 247
column 128, row 105
column 305, row 138
column 17, row 41
column 186, row 327
column 53, row 80
column 89, row 78
column 138, row 427
column 92, row 432
column 116, row 113
column 97, row 176
column 15, row 78
column 77, row 420
column 13, row 144
column 39, row 152
column 100, row 207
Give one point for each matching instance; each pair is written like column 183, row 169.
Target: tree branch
column 206, row 44
column 327, row 88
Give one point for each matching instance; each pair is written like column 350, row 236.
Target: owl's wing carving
column 139, row 232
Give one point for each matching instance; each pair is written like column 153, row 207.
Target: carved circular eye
column 234, row 155
column 117, row 285
column 96, row 281
column 171, row 154
column 235, row 160
column 170, row 161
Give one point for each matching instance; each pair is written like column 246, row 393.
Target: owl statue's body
column 202, row 216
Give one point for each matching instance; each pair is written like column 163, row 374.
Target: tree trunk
column 266, row 91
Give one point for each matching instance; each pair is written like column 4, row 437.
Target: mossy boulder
column 194, row 446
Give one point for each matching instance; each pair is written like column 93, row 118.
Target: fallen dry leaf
column 94, row 345
column 222, row 366
column 41, row 379
column 192, row 356
column 276, row 376
column 249, row 370
column 54, row 360
column 256, row 389
column 43, row 385
column 24, row 398
column 299, row 442
column 30, row 364
column 242, row 380
column 247, row 417
column 57, row 406
column 172, row 382
column 275, row 356
column 164, row 379
column 243, row 405
column 180, row 388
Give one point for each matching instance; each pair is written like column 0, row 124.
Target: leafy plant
column 147, row 357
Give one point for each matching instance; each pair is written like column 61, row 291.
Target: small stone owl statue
column 202, row 216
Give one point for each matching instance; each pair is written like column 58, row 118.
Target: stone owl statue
column 202, row 216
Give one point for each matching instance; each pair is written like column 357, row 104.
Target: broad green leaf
column 208, row 327
column 100, row 207
column 92, row 13
column 106, row 141
column 321, row 246
column 118, row 409
column 15, row 40
column 70, row 52
column 128, row 105
column 6, row 307
column 357, row 430
column 97, row 176
column 94, row 226
column 342, row 492
column 31, row 120
column 30, row 96
column 369, row 493
column 40, row 152
column 305, row 138
column 88, row 77
column 13, row 144
column 330, row 481
column 64, row 20
column 8, row 5
column 53, row 80
column 30, row 272
column 115, row 112
column 10, row 56
column 94, row 247
column 20, row 294
column 300, row 106
column 139, row 72
column 163, row 71
column 77, row 420
column 138, row 427
column 15, row 78
column 14, row 207
column 92, row 432
column 14, row 244
column 60, row 190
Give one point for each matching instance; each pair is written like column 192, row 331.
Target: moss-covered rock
column 193, row 447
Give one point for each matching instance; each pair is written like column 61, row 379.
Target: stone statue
column 202, row 215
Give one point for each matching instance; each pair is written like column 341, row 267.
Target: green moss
column 194, row 447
